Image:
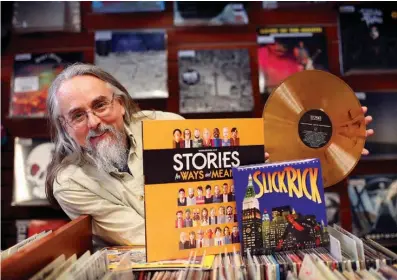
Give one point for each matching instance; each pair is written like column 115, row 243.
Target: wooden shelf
column 72, row 238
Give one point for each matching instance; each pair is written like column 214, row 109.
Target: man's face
column 225, row 189
column 225, row 132
column 232, row 188
column 227, row 231
column 199, row 192
column 82, row 93
column 177, row 136
column 196, row 133
column 181, row 194
column 179, row 215
column 187, row 134
column 191, row 192
column 234, row 134
column 208, row 192
column 229, row 210
column 187, row 214
column 206, row 134
column 235, row 230
column 216, row 133
column 216, row 190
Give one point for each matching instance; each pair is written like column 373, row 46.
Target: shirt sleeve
column 116, row 224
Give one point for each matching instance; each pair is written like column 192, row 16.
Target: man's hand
column 369, row 132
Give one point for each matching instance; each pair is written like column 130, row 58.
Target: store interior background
column 323, row 14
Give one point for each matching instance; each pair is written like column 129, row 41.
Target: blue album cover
column 127, row 6
column 280, row 206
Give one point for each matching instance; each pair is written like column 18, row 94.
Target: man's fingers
column 365, row 152
column 368, row 119
column 364, row 109
column 369, row 132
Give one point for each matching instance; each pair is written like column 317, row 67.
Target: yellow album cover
column 189, row 193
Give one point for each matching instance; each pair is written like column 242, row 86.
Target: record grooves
column 314, row 114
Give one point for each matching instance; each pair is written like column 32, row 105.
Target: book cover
column 283, row 51
column 210, row 13
column 31, row 159
column 368, row 38
column 373, row 200
column 33, row 75
column 383, row 107
column 189, row 192
column 127, row 6
column 215, row 81
column 280, row 206
column 138, row 60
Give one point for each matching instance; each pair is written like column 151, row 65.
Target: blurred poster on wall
column 283, row 51
column 210, row 13
column 46, row 16
column 31, row 159
column 137, row 59
column 382, row 107
column 127, row 6
column 368, row 37
column 33, row 75
column 214, row 81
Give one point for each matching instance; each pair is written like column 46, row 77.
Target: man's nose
column 93, row 121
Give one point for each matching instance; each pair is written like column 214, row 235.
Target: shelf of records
column 342, row 255
column 211, row 80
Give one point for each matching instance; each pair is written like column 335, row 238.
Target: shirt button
column 141, row 197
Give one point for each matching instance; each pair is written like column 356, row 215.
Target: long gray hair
column 67, row 151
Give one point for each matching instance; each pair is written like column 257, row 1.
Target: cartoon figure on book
column 206, row 141
column 97, row 168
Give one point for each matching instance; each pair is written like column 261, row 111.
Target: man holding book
column 97, row 167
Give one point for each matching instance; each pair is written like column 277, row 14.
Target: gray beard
column 108, row 154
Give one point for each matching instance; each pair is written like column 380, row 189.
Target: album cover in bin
column 283, row 51
column 368, row 37
column 189, row 193
column 373, row 200
column 210, row 13
column 137, row 59
column 212, row 81
column 280, row 206
column 383, row 109
column 33, row 75
column 127, row 6
column 31, row 159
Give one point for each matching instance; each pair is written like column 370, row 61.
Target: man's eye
column 100, row 106
column 78, row 117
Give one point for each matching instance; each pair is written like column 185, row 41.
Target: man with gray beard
column 97, row 167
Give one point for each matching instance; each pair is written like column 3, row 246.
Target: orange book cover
column 189, row 193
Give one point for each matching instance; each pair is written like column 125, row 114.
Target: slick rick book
column 280, row 206
column 189, row 194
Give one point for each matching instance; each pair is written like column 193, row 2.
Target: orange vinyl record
column 314, row 114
